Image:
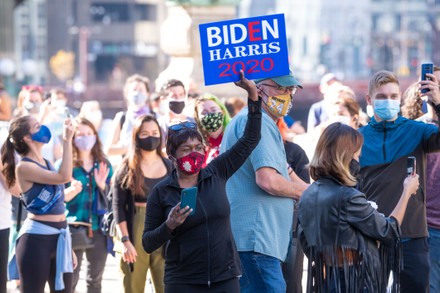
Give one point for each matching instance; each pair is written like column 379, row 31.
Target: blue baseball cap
column 284, row 80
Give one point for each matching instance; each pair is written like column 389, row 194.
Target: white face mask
column 342, row 119
column 60, row 104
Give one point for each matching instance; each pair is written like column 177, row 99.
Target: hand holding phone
column 426, row 68
column 189, row 198
column 411, row 165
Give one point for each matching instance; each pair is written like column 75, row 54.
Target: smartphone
column 130, row 266
column 424, row 106
column 67, row 113
column 411, row 165
column 426, row 68
column 188, row 197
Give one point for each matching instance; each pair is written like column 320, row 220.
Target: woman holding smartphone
column 351, row 246
column 43, row 250
column 142, row 168
column 193, row 262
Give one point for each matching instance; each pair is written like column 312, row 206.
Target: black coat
column 202, row 250
column 337, row 220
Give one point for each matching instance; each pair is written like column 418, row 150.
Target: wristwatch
column 125, row 239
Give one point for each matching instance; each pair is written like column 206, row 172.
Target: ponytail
column 8, row 161
column 18, row 129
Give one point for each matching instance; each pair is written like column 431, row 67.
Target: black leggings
column 4, row 249
column 36, row 263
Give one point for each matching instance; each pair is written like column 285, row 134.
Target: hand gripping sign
column 257, row 45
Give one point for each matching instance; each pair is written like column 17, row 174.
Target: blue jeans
column 261, row 273
column 434, row 256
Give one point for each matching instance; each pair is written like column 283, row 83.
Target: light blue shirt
column 260, row 222
column 63, row 255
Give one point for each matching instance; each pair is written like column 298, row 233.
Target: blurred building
column 111, row 39
column 7, row 64
column 355, row 38
column 6, row 29
column 31, row 41
column 403, row 34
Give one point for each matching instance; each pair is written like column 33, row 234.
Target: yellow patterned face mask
column 279, row 106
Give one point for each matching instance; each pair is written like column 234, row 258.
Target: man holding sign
column 261, row 191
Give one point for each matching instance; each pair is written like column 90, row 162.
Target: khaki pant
column 134, row 282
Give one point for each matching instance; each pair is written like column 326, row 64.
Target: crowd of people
column 269, row 193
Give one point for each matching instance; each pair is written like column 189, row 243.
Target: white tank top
column 5, row 208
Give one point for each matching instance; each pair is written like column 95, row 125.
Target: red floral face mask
column 191, row 164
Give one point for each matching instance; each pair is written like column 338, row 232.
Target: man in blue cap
column 261, row 192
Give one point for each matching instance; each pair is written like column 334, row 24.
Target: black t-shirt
column 298, row 160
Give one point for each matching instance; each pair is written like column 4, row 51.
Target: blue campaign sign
column 257, row 45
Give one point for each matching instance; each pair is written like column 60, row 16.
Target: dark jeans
column 415, row 274
column 96, row 258
column 4, row 250
column 36, row 263
column 434, row 255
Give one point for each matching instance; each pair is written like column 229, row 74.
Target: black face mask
column 355, row 168
column 177, row 106
column 149, row 143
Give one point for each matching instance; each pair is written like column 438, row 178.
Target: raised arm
column 410, row 186
column 33, row 173
column 231, row 160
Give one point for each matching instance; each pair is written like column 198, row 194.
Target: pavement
column 110, row 279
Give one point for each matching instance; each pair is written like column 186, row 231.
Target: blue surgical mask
column 43, row 135
column 85, row 143
column 387, row 109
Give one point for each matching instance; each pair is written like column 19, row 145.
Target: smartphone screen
column 426, row 68
column 411, row 165
column 188, row 197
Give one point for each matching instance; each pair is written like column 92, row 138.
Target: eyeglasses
column 283, row 89
column 182, row 125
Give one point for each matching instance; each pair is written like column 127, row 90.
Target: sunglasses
column 32, row 88
column 182, row 125
column 283, row 89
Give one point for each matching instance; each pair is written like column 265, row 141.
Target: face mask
column 149, row 143
column 177, row 106
column 85, row 143
column 43, row 135
column 279, row 106
column 191, row 164
column 355, row 168
column 137, row 98
column 60, row 104
column 33, row 108
column 387, row 109
column 342, row 119
column 212, row 121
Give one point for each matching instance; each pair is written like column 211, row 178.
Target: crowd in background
column 124, row 158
